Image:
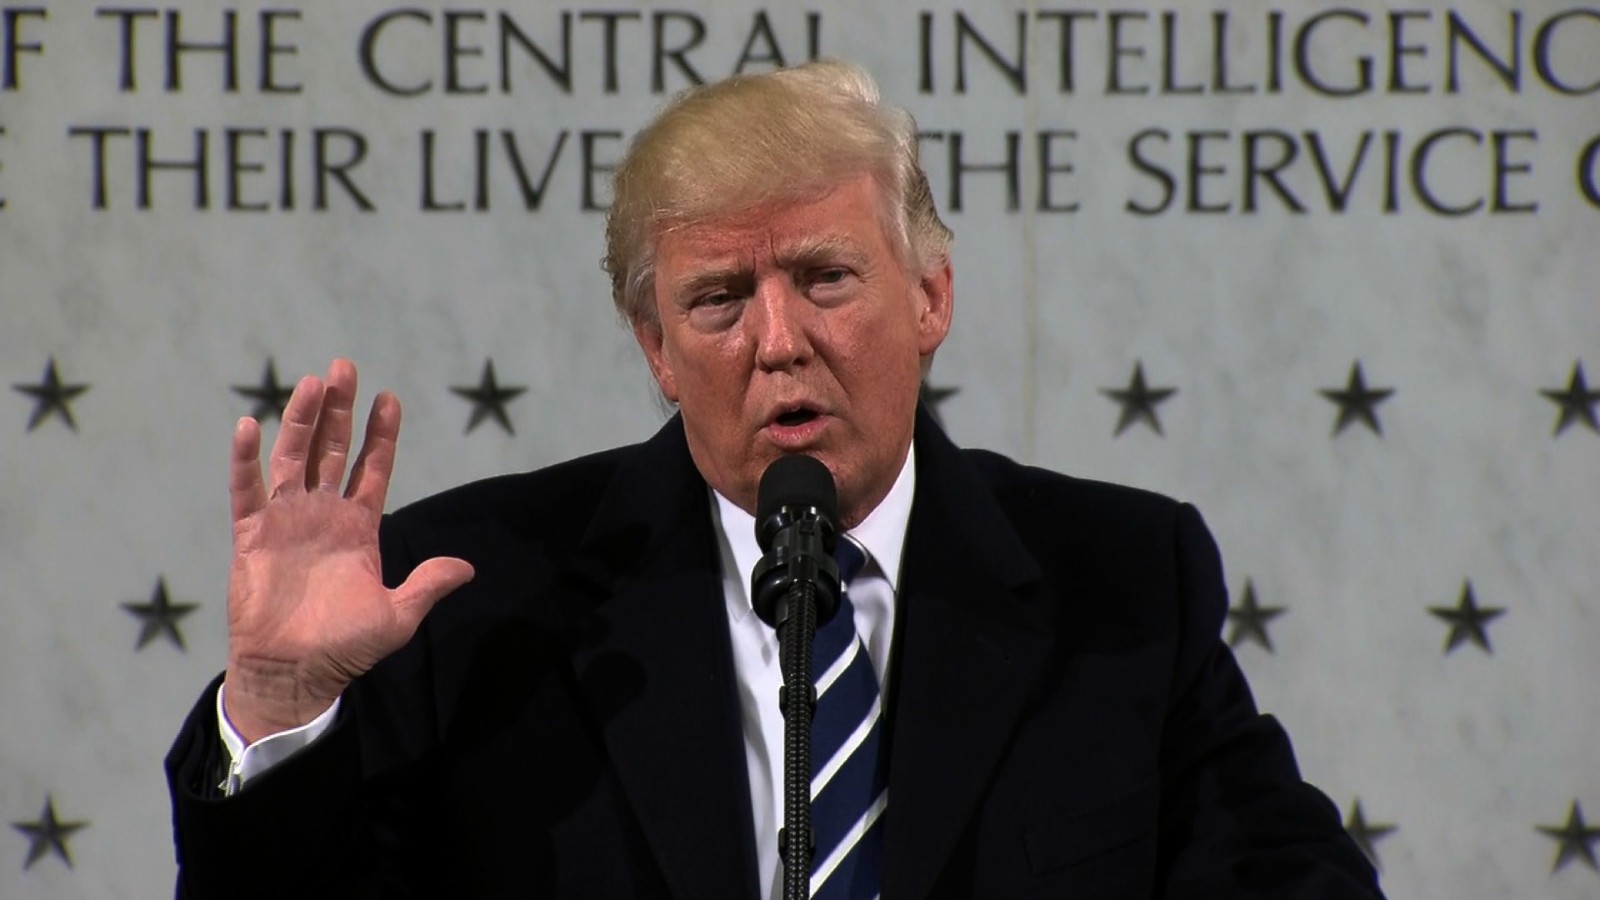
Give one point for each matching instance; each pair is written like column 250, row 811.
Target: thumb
column 428, row 584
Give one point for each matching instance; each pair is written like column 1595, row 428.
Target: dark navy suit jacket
column 1065, row 721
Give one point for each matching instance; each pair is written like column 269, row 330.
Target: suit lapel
column 969, row 644
column 650, row 649
column 655, row 665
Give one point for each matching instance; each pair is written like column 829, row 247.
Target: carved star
column 1577, row 402
column 1365, row 834
column 1250, row 619
column 1357, row 402
column 270, row 396
column 51, row 397
column 48, row 835
column 931, row 397
column 1576, row 838
column 1468, row 621
column 160, row 616
column 489, row 399
column 1138, row 401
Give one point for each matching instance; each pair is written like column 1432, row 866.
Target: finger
column 369, row 478
column 287, row 464
column 245, row 488
column 428, row 584
column 330, row 446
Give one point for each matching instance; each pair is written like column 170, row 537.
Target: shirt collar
column 882, row 532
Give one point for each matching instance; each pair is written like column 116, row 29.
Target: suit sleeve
column 1237, row 820
column 317, row 824
column 293, row 832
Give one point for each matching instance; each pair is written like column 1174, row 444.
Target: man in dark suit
column 592, row 712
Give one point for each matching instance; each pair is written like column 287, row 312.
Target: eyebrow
column 829, row 248
column 712, row 277
column 801, row 254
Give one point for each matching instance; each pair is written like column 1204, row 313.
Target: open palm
column 307, row 608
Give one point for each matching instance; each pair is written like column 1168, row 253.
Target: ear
column 649, row 336
column 936, row 301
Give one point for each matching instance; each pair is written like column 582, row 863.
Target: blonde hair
column 751, row 140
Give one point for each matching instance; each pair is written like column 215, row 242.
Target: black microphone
column 797, row 508
column 793, row 588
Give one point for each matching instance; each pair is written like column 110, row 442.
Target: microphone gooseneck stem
column 798, row 702
column 793, row 586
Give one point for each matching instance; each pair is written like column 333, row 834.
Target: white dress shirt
column 755, row 658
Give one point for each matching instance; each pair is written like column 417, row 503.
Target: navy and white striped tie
column 849, row 765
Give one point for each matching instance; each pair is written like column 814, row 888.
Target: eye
column 716, row 296
column 716, row 309
column 830, row 280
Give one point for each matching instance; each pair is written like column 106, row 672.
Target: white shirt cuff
column 247, row 761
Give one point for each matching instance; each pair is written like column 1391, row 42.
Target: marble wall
column 1328, row 271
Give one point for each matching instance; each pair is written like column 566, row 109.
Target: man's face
column 794, row 329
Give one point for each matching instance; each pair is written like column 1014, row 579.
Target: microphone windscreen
column 796, row 480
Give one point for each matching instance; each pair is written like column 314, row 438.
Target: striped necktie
column 849, row 765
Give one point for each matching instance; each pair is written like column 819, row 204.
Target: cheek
column 709, row 378
column 891, row 340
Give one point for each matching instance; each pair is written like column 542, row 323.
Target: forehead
column 845, row 217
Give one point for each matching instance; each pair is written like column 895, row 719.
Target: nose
column 780, row 325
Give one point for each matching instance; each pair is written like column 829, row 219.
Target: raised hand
column 307, row 608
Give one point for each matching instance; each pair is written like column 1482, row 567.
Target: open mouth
column 794, row 417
